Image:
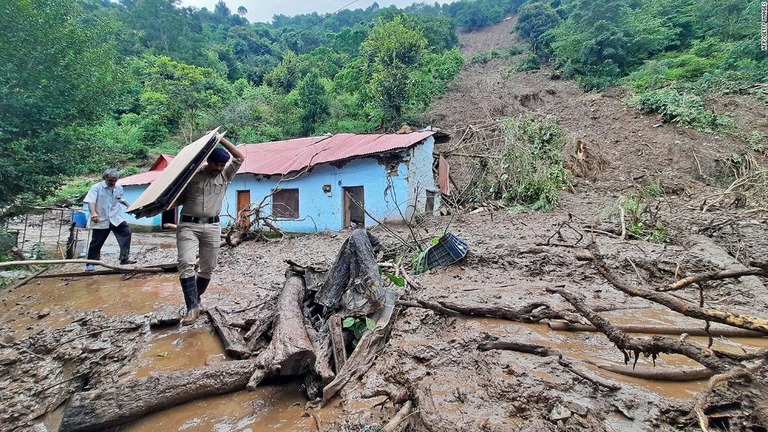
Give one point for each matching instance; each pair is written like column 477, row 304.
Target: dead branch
column 134, row 327
column 718, row 275
column 82, row 261
column 562, row 325
column 655, row 373
column 543, row 351
column 648, row 346
column 538, row 350
column 677, row 305
column 399, row 417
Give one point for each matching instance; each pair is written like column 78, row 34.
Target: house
column 324, row 183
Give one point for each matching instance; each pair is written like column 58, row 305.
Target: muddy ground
column 433, row 359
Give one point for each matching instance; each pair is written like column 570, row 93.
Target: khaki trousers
column 192, row 238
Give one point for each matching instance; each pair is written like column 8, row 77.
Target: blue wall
column 386, row 196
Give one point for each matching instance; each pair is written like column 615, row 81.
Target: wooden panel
column 162, row 192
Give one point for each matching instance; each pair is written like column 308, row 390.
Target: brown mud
column 73, row 334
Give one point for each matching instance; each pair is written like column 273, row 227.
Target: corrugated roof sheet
column 283, row 157
column 148, row 177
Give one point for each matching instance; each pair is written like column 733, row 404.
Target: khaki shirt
column 204, row 193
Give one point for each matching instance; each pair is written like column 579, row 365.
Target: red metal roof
column 282, row 157
column 148, row 177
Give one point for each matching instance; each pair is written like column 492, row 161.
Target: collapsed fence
column 43, row 232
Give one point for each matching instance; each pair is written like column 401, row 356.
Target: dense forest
column 87, row 84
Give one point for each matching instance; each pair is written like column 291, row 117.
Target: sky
column 263, row 10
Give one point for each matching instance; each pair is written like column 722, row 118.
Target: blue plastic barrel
column 79, row 218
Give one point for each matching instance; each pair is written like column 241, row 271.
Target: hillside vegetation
column 88, row 84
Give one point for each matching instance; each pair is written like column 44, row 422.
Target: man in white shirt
column 104, row 199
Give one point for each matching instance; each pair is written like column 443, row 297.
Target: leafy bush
column 532, row 171
column 683, row 109
column 529, row 62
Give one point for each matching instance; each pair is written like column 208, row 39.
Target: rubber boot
column 189, row 288
column 202, row 285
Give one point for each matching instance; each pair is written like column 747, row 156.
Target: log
column 677, row 305
column 353, row 286
column 655, row 373
column 367, row 349
column 290, row 352
column 262, row 322
column 401, row 415
column 125, row 402
column 233, row 342
column 652, row 329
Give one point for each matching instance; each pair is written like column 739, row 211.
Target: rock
column 8, row 356
column 43, row 313
column 559, row 412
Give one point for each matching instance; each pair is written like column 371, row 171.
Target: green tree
column 312, row 101
column 394, row 49
column 177, row 94
column 535, row 19
column 54, row 72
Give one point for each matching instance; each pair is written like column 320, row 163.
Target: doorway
column 354, row 205
column 243, row 208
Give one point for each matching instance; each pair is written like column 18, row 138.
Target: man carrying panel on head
column 104, row 199
column 199, row 229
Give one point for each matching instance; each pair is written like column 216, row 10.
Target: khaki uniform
column 202, row 200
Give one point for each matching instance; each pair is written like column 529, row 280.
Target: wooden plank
column 337, row 341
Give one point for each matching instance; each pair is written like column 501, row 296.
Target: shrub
column 684, row 109
column 532, row 170
column 529, row 62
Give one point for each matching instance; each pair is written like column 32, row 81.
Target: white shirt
column 107, row 202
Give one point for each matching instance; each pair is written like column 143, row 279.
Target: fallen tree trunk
column 233, row 342
column 124, row 402
column 677, row 305
column 651, row 329
column 290, row 352
column 655, row 373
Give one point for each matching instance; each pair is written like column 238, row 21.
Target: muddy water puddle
column 46, row 304
column 596, row 347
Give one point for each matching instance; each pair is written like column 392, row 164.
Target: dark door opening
column 354, row 203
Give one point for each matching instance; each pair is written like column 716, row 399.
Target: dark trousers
column 99, row 236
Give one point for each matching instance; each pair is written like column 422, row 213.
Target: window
column 285, row 204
